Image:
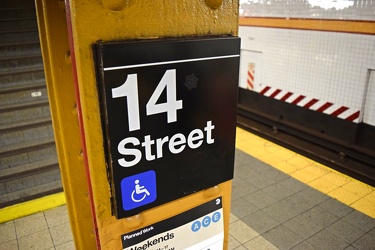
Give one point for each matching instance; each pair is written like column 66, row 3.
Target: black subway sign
column 168, row 108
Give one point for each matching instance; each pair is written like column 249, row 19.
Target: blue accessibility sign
column 138, row 190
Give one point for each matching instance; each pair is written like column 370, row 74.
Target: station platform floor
column 280, row 200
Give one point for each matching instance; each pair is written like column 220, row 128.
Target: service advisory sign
column 169, row 117
column 201, row 228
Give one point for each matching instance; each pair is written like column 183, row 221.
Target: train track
column 354, row 161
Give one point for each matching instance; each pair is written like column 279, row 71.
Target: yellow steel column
column 89, row 21
column 60, row 85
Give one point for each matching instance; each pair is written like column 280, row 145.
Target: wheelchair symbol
column 138, row 189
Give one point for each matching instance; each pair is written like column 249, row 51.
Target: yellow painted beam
column 361, row 27
column 31, row 207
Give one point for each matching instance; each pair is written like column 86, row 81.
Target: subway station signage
column 169, row 117
column 202, row 225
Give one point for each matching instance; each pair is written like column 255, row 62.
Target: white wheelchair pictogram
column 139, row 190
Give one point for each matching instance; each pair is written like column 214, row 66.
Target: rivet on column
column 133, row 221
column 62, row 4
column 214, row 4
column 80, row 155
column 67, row 57
column 210, row 192
column 75, row 110
column 115, row 5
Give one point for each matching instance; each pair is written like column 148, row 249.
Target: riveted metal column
column 112, row 20
column 59, row 78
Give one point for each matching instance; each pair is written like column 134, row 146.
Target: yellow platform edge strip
column 31, row 207
column 343, row 188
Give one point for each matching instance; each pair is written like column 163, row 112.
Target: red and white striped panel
column 250, row 76
column 329, row 108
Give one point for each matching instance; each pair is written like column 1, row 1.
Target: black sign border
column 100, row 61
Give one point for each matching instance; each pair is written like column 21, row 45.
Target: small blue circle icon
column 216, row 217
column 206, row 221
column 196, row 226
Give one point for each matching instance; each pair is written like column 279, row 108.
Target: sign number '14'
column 130, row 90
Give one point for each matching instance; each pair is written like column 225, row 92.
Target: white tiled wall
column 321, row 9
column 328, row 66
